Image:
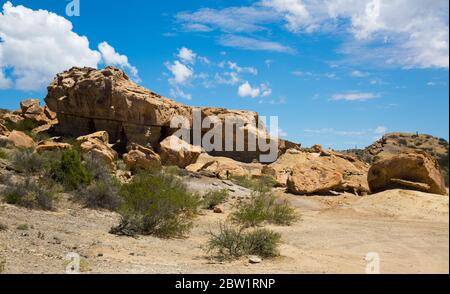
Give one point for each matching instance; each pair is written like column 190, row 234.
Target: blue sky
column 338, row 72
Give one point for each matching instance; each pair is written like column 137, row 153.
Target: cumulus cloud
column 235, row 67
column 354, row 96
column 187, row 55
column 246, row 90
column 181, row 72
column 359, row 74
column 37, row 44
column 111, row 57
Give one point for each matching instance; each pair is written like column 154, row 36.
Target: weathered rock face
column 4, row 130
column 20, row 139
column 318, row 171
column 97, row 146
column 86, row 100
column 139, row 157
column 413, row 170
column 223, row 167
column 52, row 146
column 174, row 151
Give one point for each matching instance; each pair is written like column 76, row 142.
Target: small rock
column 254, row 259
column 218, row 209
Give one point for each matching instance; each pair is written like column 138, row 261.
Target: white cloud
column 381, row 130
column 235, row 67
column 246, row 90
column 181, row 72
column 178, row 93
column 37, row 44
column 354, row 96
column 111, row 57
column 227, row 78
column 253, row 44
column 405, row 33
column 187, row 55
column 359, row 74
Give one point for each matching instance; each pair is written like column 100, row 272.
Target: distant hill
column 395, row 143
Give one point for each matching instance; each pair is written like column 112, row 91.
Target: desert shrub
column 3, row 154
column 214, row 198
column 3, row 227
column 176, row 171
column 22, row 227
column 27, row 161
column 101, row 194
column 97, row 168
column 403, row 142
column 234, row 242
column 2, row 265
column 25, row 125
column 69, row 170
column 262, row 207
column 259, row 183
column 156, row 204
column 30, row 194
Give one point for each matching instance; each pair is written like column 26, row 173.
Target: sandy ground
column 408, row 230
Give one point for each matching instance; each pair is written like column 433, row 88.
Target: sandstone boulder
column 96, row 145
column 412, row 170
column 52, row 146
column 20, row 139
column 32, row 110
column 174, row 151
column 223, row 167
column 13, row 118
column 139, row 157
column 318, row 171
column 4, row 130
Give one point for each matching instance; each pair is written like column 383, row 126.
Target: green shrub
column 22, row 227
column 156, row 204
column 259, row 183
column 262, row 207
column 176, row 171
column 30, row 194
column 214, row 198
column 27, row 161
column 3, row 154
column 97, row 168
column 234, row 242
column 70, row 171
column 101, row 194
column 25, row 125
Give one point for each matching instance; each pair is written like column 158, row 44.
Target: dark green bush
column 25, row 125
column 156, row 204
column 214, row 198
column 101, row 194
column 234, row 242
column 262, row 207
column 30, row 194
column 70, row 171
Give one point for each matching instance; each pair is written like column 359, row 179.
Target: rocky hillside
column 395, row 143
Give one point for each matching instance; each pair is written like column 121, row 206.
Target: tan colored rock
column 97, row 146
column 174, row 151
column 52, row 146
column 139, row 157
column 414, row 170
column 223, row 167
column 14, row 118
column 318, row 171
column 4, row 130
column 45, row 128
column 20, row 139
column 30, row 104
column 50, row 114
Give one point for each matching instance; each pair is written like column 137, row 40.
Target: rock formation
column 413, row 170
column 318, row 171
column 174, row 151
column 97, row 146
column 87, row 100
column 139, row 157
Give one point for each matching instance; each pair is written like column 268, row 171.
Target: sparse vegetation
column 29, row 194
column 2, row 265
column 262, row 207
column 262, row 182
column 27, row 161
column 3, row 227
column 22, row 227
column 101, row 194
column 214, row 198
column 234, row 242
column 25, row 126
column 70, row 171
column 3, row 154
column 156, row 204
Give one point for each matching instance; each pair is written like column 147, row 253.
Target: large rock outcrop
column 97, row 146
column 87, row 100
column 139, row 157
column 317, row 171
column 412, row 170
column 174, row 151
